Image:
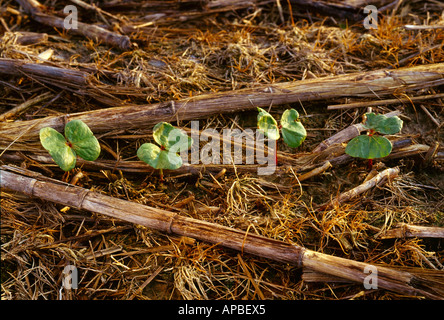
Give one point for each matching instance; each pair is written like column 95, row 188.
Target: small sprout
column 293, row 132
column 79, row 140
column 171, row 141
column 373, row 146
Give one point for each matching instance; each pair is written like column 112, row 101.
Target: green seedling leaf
column 293, row 132
column 57, row 146
column 161, row 132
column 267, row 124
column 171, row 141
column 369, row 147
column 82, row 139
column 79, row 141
column 383, row 124
column 169, row 137
column 158, row 158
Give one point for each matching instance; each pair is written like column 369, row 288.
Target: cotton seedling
column 165, row 155
column 372, row 145
column 79, row 140
column 293, row 131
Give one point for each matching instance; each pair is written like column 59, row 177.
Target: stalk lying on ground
column 34, row 184
column 382, row 177
column 367, row 84
column 35, row 9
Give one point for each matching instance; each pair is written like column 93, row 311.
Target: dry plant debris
column 222, row 50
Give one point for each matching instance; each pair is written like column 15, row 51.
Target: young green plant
column 373, row 145
column 293, row 132
column 165, row 156
column 79, row 140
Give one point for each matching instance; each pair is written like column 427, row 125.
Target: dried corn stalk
column 367, row 84
column 37, row 185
